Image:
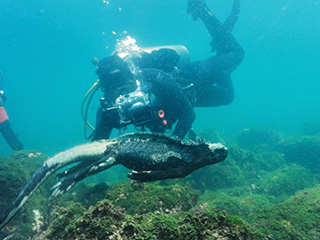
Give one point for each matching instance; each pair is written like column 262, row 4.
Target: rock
column 105, row 221
column 305, row 152
column 152, row 198
column 258, row 139
column 295, row 218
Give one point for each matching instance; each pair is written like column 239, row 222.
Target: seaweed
column 105, row 221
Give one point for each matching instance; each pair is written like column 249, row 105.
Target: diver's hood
column 112, row 68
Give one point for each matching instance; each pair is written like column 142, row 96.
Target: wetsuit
column 211, row 76
column 165, row 96
column 6, row 130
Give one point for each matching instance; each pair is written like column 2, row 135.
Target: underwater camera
column 134, row 108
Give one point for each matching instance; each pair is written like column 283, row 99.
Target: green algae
column 15, row 171
column 223, row 175
column 257, row 183
column 63, row 216
column 105, row 221
column 296, row 218
column 143, row 198
column 262, row 140
column 86, row 194
column 243, row 205
column 286, row 181
column 304, row 151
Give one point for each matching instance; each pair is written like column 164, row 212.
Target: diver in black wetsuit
column 151, row 99
column 211, row 76
column 5, row 126
column 210, row 79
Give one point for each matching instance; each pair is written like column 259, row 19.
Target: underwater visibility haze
column 46, row 48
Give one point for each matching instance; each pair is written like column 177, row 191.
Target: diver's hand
column 194, row 8
column 194, row 138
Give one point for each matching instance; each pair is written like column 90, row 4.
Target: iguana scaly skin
column 151, row 157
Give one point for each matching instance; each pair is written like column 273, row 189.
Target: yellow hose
column 95, row 87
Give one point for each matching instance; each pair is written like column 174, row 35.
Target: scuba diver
column 148, row 99
column 159, row 99
column 5, row 127
column 207, row 82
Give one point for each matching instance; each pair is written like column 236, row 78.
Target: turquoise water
column 46, row 49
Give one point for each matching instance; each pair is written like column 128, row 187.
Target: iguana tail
column 89, row 151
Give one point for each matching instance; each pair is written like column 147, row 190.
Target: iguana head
column 220, row 152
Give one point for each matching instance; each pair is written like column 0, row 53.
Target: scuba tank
column 181, row 50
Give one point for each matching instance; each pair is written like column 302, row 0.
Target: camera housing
column 134, row 108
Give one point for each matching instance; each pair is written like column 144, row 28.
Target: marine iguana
column 151, row 157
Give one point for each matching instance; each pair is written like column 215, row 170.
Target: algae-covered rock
column 237, row 201
column 105, row 221
column 286, row 181
column 62, row 217
column 15, row 171
column 241, row 168
column 258, row 139
column 142, row 198
column 295, row 218
column 252, row 163
column 304, row 151
column 254, row 183
column 223, row 175
column 85, row 194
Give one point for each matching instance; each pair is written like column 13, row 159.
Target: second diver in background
column 5, row 126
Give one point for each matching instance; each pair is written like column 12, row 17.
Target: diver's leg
column 222, row 40
column 213, row 83
column 233, row 17
column 104, row 124
column 216, row 95
column 10, row 136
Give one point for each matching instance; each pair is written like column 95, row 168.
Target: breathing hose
column 84, row 110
